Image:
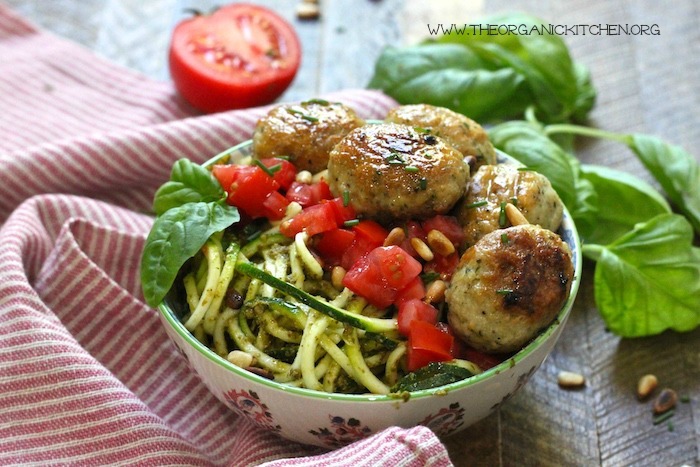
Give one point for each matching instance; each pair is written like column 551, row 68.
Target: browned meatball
column 493, row 185
column 304, row 132
column 463, row 133
column 508, row 287
column 393, row 172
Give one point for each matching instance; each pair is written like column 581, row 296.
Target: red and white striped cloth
column 87, row 374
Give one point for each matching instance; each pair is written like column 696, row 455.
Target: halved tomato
column 239, row 56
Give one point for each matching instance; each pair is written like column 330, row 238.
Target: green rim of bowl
column 507, row 364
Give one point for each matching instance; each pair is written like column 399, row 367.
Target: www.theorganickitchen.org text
column 597, row 29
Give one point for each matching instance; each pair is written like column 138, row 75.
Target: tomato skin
column 332, row 245
column 412, row 310
column 239, row 56
column 286, row 173
column 443, row 265
column 379, row 275
column 448, row 225
column 342, row 213
column 370, row 235
column 426, row 344
column 314, row 220
column 414, row 289
column 396, row 266
column 248, row 187
column 308, row 195
column 275, row 206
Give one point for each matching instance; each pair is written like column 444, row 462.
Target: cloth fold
column 87, row 374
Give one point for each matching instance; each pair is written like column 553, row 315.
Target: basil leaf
column 560, row 88
column 529, row 145
column 176, row 236
column 189, row 183
column 648, row 280
column 452, row 76
column 623, row 201
column 675, row 169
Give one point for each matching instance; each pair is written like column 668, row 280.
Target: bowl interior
column 174, row 307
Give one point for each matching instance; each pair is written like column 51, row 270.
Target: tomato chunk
column 284, row 171
column 414, row 289
column 333, row 244
column 247, row 186
column 415, row 310
column 275, row 206
column 381, row 274
column 448, row 225
column 309, row 194
column 314, row 220
column 426, row 344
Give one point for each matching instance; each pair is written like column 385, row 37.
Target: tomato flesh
column 415, row 310
column 314, row 220
column 239, row 56
column 426, row 344
column 381, row 274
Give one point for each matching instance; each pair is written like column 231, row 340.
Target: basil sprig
column 490, row 77
column 190, row 208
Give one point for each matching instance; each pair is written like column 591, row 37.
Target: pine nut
column 514, row 215
column 395, row 237
column 436, row 291
column 422, row 249
column 240, row 358
column 307, row 10
column 439, row 243
column 304, row 176
column 665, row 401
column 646, row 385
column 570, row 380
column 337, row 276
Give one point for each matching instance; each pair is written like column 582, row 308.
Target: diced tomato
column 463, row 351
column 364, row 280
column 396, row 266
column 342, row 213
column 314, row 220
column 371, row 231
column 308, row 195
column 333, row 244
column 370, row 235
column 379, row 275
column 415, row 309
column 413, row 230
column 275, row 206
column 443, row 265
column 284, row 171
column 247, row 186
column 448, row 225
column 426, row 344
column 227, row 173
column 414, row 289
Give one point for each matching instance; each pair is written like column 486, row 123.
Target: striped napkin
column 87, row 374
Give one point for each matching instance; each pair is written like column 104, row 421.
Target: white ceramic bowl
column 333, row 420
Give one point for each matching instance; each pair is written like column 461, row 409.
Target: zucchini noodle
column 292, row 340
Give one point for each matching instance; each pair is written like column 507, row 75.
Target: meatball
column 304, row 132
column 393, row 172
column 508, row 287
column 463, row 133
column 494, row 185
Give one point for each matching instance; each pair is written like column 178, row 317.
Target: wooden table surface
column 648, row 84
